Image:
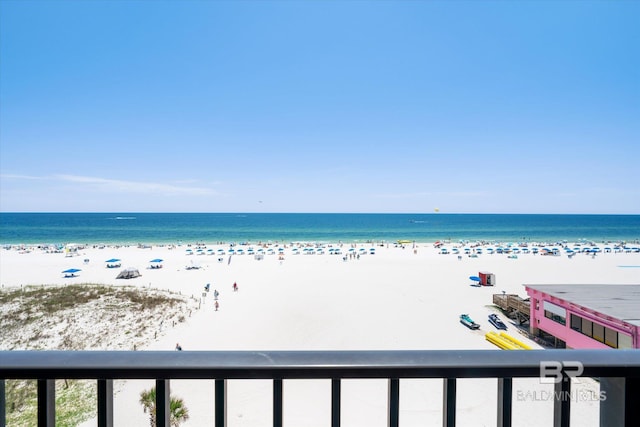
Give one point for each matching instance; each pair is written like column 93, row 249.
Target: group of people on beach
column 216, row 294
column 216, row 304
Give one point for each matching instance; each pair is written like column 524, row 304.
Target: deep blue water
column 30, row 228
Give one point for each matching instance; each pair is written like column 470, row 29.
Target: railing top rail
column 308, row 364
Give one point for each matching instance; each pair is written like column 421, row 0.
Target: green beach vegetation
column 178, row 412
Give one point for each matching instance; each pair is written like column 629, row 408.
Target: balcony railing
column 617, row 370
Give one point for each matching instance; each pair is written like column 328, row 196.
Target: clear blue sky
column 321, row 106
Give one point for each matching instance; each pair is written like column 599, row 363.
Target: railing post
column 277, row 402
column 618, row 401
column 105, row 403
column 3, row 404
column 393, row 411
column 221, row 403
column 449, row 402
column 562, row 402
column 163, row 405
column 46, row 403
column 335, row 402
column 505, row 387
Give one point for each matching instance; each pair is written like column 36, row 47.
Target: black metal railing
column 617, row 370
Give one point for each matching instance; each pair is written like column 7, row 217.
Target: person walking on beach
column 216, row 305
column 215, row 294
column 178, row 347
column 235, row 287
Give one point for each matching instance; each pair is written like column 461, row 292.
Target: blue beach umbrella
column 474, row 278
column 112, row 260
column 156, row 260
column 71, row 272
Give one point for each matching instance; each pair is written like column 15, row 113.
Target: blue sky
column 321, row 106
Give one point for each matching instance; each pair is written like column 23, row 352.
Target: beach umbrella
column 156, row 260
column 71, row 272
column 474, row 278
column 112, row 260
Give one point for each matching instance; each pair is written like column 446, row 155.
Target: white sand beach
column 394, row 299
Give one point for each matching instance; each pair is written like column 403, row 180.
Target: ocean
column 168, row 228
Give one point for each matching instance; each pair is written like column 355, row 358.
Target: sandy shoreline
column 398, row 298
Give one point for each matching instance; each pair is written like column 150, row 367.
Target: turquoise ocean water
column 131, row 228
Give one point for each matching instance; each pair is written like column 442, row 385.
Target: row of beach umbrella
column 271, row 251
column 544, row 250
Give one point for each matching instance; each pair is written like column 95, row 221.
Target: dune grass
column 78, row 317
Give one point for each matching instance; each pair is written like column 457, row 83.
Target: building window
column 555, row 312
column 598, row 332
column 576, row 323
column 611, row 337
column 587, row 327
column 624, row 341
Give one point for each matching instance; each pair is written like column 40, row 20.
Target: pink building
column 586, row 316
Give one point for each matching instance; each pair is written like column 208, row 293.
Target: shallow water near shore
column 52, row 228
